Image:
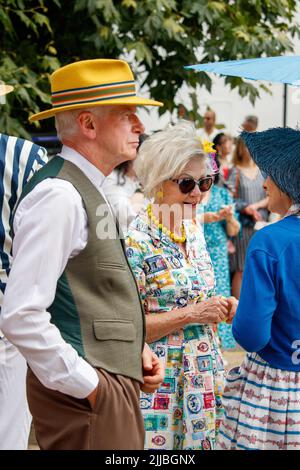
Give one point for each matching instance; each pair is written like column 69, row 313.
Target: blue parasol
column 282, row 69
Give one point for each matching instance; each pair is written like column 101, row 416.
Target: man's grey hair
column 66, row 121
column 164, row 155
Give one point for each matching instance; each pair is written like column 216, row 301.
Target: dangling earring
column 160, row 194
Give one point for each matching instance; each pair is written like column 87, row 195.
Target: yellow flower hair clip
column 208, row 146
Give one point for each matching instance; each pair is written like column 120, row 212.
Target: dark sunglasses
column 186, row 185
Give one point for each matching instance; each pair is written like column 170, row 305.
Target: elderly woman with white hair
column 167, row 252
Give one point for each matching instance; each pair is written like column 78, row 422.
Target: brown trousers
column 62, row 422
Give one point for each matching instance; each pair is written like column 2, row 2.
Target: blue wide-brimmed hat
column 277, row 154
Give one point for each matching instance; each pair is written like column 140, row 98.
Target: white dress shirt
column 50, row 227
column 119, row 197
column 210, row 137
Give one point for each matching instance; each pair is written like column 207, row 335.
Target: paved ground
column 233, row 358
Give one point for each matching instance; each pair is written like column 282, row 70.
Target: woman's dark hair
column 217, row 176
column 121, row 171
column 218, row 139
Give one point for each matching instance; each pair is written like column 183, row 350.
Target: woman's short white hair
column 66, row 124
column 164, row 155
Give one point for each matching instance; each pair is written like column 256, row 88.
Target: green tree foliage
column 160, row 36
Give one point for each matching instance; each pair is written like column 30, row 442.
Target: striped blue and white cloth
column 262, row 408
column 19, row 159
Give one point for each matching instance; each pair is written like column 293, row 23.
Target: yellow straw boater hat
column 4, row 89
column 90, row 83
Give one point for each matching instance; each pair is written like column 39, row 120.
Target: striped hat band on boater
column 91, row 83
column 93, row 94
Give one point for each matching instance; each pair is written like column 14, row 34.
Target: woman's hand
column 233, row 305
column 227, row 212
column 213, row 310
column 153, row 371
column 250, row 210
column 211, row 217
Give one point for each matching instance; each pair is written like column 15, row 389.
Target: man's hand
column 92, row 397
column 232, row 307
column 153, row 371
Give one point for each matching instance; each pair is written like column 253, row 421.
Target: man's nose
column 138, row 126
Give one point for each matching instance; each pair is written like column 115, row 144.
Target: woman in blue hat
column 262, row 396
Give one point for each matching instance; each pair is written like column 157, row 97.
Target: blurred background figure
column 220, row 222
column 247, row 182
column 123, row 191
column 182, row 112
column 223, row 146
column 209, row 130
column 250, row 123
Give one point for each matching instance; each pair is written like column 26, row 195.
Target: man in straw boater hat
column 72, row 306
column 19, row 159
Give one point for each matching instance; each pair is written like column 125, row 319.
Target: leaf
column 172, row 27
column 23, row 95
column 52, row 50
column 106, row 7
column 217, row 6
column 50, row 63
column 80, row 5
column 24, row 18
column 42, row 20
column 129, row 4
column 6, row 21
column 142, row 52
column 105, row 32
column 241, row 33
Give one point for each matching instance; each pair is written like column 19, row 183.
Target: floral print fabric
column 186, row 411
column 216, row 242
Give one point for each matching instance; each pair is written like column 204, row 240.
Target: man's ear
column 86, row 122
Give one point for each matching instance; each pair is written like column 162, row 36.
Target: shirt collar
column 91, row 172
column 293, row 210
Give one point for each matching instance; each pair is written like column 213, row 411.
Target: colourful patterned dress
column 185, row 413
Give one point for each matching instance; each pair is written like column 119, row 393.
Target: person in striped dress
column 262, row 396
column 19, row 159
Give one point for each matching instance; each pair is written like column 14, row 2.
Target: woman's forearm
column 162, row 324
column 212, row 310
column 232, row 227
column 262, row 204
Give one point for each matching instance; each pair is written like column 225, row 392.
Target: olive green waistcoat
column 97, row 306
